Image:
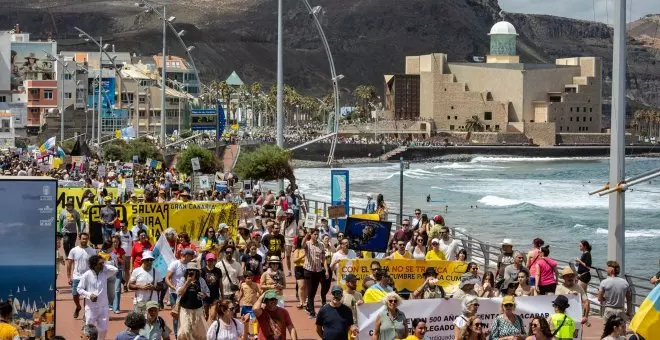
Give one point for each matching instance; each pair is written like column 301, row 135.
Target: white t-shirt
column 290, row 231
column 80, row 257
column 234, row 332
column 449, row 247
column 234, row 270
column 460, row 321
column 126, row 241
column 339, row 256
column 178, row 270
column 143, row 277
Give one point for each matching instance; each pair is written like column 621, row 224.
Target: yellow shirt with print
column 8, row 332
column 435, row 255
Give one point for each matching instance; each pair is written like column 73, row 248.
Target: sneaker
column 312, row 315
column 76, row 313
column 116, row 312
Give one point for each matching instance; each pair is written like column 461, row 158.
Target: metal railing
column 487, row 254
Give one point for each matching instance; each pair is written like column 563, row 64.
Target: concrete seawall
column 422, row 153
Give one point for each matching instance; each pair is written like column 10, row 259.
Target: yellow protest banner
column 193, row 218
column 63, row 194
column 407, row 274
column 370, row 217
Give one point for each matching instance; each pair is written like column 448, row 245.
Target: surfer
column 428, row 198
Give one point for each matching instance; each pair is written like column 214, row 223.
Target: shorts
column 299, row 273
column 247, row 310
column 288, row 242
column 584, row 277
column 544, row 290
column 74, row 287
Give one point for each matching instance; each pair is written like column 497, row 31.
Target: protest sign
column 76, row 194
column 129, row 183
column 204, row 182
column 408, row 275
column 336, row 211
column 310, row 221
column 194, row 218
column 367, row 235
column 440, row 314
column 195, row 164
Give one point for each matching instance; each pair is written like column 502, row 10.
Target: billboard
column 29, row 62
column 28, row 245
column 339, row 193
column 108, row 92
column 204, row 119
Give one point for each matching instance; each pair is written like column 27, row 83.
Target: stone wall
column 588, row 139
column 542, row 134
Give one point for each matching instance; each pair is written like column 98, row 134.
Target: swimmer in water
column 428, row 198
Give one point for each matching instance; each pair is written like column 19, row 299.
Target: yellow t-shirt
column 435, row 255
column 8, row 332
column 397, row 256
column 367, row 255
column 412, row 337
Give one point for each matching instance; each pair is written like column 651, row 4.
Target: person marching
column 562, row 325
column 93, row 286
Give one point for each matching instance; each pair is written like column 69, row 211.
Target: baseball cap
column 210, row 256
column 188, row 251
column 152, row 304
column 350, row 278
column 271, row 294
column 335, row 288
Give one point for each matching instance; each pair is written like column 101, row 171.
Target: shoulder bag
column 232, row 286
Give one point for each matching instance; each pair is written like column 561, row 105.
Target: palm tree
column 255, row 91
column 365, row 94
column 473, row 124
column 225, row 92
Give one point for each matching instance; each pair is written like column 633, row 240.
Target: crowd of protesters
column 221, row 284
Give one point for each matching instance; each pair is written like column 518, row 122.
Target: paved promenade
column 70, row 328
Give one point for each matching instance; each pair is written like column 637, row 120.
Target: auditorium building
column 539, row 100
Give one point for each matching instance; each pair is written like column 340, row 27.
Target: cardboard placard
column 204, row 182
column 336, row 211
column 310, row 221
column 195, row 164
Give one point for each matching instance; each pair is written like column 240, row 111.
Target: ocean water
column 35, row 280
column 493, row 198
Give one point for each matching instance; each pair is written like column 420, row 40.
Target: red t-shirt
column 278, row 319
column 136, row 252
column 180, row 247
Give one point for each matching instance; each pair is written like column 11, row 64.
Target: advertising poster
column 190, row 217
column 28, row 61
column 440, row 313
column 28, row 249
column 408, row 275
column 367, row 235
column 340, row 194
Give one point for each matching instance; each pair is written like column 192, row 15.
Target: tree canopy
column 207, row 161
column 120, row 150
column 268, row 163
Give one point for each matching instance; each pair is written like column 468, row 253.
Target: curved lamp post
column 102, row 50
column 314, row 11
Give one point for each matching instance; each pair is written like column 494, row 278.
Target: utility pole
column 616, row 225
column 98, row 127
column 163, row 110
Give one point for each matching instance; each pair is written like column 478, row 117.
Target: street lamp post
column 280, row 85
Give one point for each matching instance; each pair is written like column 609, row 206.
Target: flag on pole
column 163, row 255
column 60, row 152
column 646, row 321
column 48, row 144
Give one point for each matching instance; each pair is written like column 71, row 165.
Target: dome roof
column 503, row 27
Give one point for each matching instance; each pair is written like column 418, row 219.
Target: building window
column 568, row 128
column 68, row 95
column 68, row 76
column 451, row 127
column 5, row 125
column 591, row 109
column 3, row 99
column 586, row 128
column 571, row 118
column 487, row 127
column 497, row 127
column 577, row 109
column 141, row 99
column 590, row 118
column 452, row 107
column 48, row 94
column 584, row 109
column 34, row 92
column 584, row 119
column 560, row 129
column 455, row 117
column 571, row 109
column 555, row 99
column 448, row 117
column 488, row 116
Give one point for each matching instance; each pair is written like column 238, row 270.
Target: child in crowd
column 248, row 293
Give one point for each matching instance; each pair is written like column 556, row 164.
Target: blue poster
column 340, row 193
column 367, row 235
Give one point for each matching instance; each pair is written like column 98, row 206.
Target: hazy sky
column 582, row 9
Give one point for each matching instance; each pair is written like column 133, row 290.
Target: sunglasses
column 392, row 301
column 420, row 240
column 534, row 325
column 375, row 268
column 401, row 245
column 344, row 243
column 229, row 252
column 509, row 305
column 479, row 324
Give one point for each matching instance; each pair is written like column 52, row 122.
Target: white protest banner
column 204, row 182
column 310, row 221
column 440, row 313
column 195, row 164
column 101, row 171
column 130, row 184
